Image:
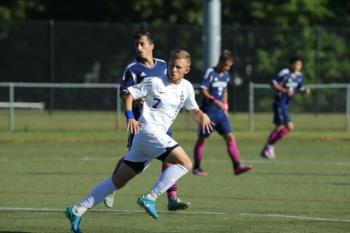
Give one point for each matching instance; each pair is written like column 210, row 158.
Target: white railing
column 12, row 104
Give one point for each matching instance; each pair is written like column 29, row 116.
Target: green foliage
column 19, row 9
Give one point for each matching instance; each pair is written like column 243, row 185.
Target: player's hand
column 220, row 104
column 307, row 90
column 226, row 107
column 290, row 91
column 206, row 124
column 133, row 126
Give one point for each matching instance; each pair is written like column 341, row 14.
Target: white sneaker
column 268, row 152
column 271, row 152
column 109, row 200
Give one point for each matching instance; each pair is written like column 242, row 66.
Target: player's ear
column 187, row 70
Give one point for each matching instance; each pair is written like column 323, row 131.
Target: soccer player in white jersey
column 143, row 66
column 164, row 98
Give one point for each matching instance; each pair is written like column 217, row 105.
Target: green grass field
column 45, row 168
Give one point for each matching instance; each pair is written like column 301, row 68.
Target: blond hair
column 181, row 54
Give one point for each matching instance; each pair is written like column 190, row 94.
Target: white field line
column 211, row 160
column 208, row 213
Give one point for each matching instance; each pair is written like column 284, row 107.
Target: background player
column 141, row 67
column 164, row 97
column 214, row 91
column 285, row 83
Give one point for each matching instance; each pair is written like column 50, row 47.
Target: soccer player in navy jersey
column 285, row 83
column 141, row 67
column 214, row 91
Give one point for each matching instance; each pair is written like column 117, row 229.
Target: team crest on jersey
column 220, row 84
column 292, row 84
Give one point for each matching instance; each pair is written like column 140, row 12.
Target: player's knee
column 187, row 163
column 118, row 183
column 290, row 127
column 229, row 137
column 202, row 140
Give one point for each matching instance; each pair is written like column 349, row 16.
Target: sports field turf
column 306, row 189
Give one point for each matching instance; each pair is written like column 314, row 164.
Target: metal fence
column 84, row 98
column 55, row 97
column 74, row 52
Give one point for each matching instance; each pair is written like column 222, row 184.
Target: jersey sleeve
column 190, row 102
column 206, row 80
column 129, row 79
column 279, row 78
column 301, row 86
column 142, row 89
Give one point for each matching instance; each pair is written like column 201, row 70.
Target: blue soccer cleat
column 149, row 205
column 74, row 220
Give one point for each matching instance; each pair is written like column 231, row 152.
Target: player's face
column 227, row 65
column 144, row 48
column 297, row 66
column 177, row 69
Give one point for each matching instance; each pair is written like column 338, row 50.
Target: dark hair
column 147, row 34
column 294, row 59
column 226, row 55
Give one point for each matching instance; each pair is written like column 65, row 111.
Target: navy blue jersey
column 216, row 85
column 135, row 72
column 287, row 80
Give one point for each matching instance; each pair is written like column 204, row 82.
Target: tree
column 14, row 10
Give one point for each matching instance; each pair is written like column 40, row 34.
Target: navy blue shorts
column 221, row 121
column 281, row 115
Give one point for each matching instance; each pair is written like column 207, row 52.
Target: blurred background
column 90, row 42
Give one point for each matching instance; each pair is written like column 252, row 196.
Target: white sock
column 94, row 197
column 166, row 180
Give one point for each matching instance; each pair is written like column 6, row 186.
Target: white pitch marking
column 305, row 218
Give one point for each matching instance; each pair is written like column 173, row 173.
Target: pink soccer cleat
column 242, row 169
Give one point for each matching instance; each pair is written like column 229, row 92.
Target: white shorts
column 147, row 146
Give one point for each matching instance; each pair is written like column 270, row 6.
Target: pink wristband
column 226, row 107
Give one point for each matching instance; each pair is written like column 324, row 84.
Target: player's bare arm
column 217, row 102
column 132, row 124
column 202, row 119
column 307, row 90
column 280, row 88
column 225, row 101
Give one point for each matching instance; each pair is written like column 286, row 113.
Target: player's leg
column 198, row 154
column 122, row 176
column 283, row 124
column 174, row 203
column 278, row 119
column 109, row 200
column 233, row 152
column 180, row 164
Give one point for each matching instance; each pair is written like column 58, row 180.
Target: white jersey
column 163, row 101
